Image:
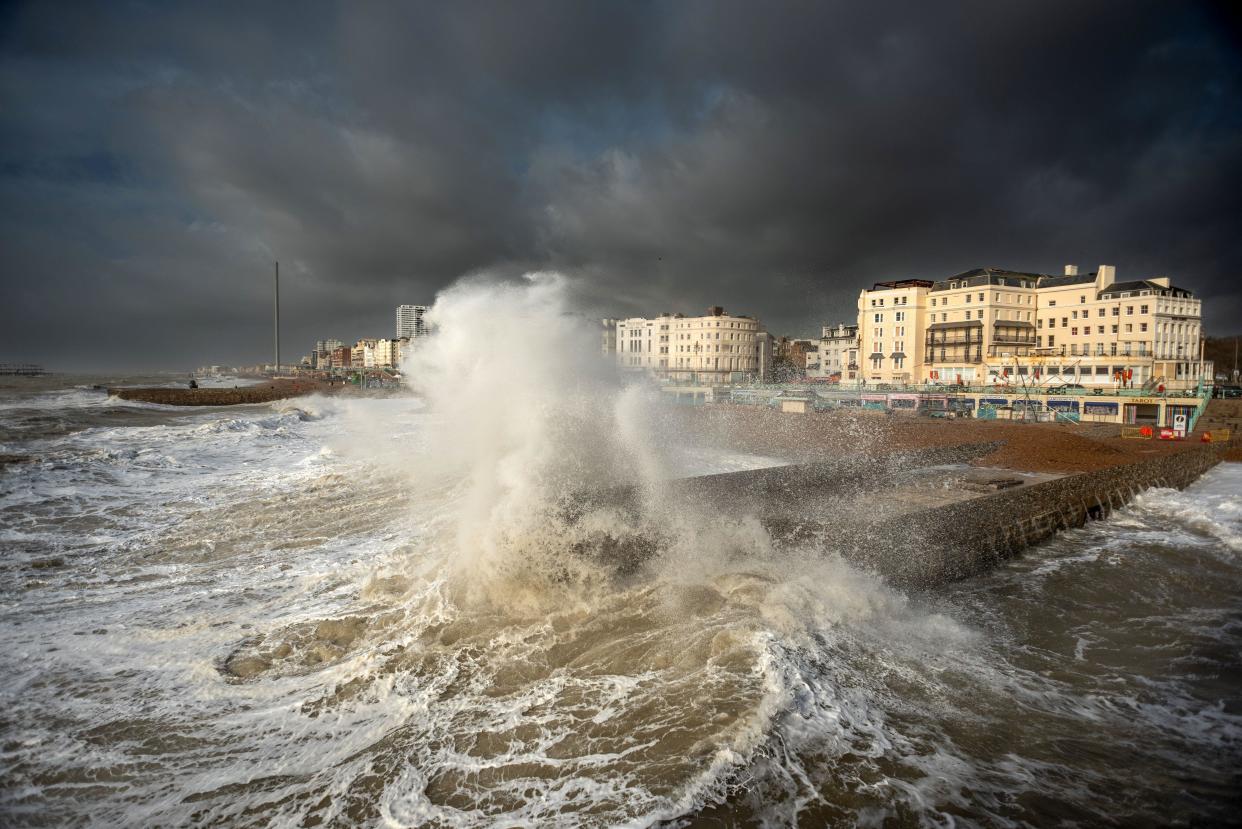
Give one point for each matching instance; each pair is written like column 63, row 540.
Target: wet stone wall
column 950, row 542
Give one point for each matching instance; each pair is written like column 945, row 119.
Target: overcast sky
column 156, row 158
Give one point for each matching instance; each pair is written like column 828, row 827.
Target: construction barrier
column 1137, row 432
column 1216, row 436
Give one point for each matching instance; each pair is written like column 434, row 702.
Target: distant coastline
column 21, row 370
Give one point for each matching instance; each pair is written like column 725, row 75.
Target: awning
column 876, row 356
column 936, row 326
column 1013, row 324
column 898, row 354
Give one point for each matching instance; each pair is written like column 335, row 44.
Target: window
column 968, row 297
column 1114, row 329
column 1129, row 310
column 1074, row 314
column 1082, row 300
column 1074, row 332
column 1052, row 303
column 933, row 302
column 1099, row 329
column 981, row 296
column 1142, row 309
column 1142, row 326
column 901, row 315
column 1051, row 341
column 879, row 318
column 1129, row 328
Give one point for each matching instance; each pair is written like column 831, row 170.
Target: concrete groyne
column 917, row 518
column 264, row 393
column 930, row 546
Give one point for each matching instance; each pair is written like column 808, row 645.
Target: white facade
column 713, row 349
column 838, row 353
column 410, row 322
column 608, row 335
column 765, row 354
column 387, row 353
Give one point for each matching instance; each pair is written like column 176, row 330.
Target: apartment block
column 996, row 326
column 410, row 322
column 838, row 353
column 608, row 335
column 891, row 322
column 714, row 349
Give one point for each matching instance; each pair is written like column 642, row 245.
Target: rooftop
column 902, row 283
column 1144, row 285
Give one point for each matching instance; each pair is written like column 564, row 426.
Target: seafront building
column 891, row 322
column 992, row 326
column 410, row 322
column 715, row 349
column 765, row 356
column 837, row 354
column 608, row 335
column 321, row 356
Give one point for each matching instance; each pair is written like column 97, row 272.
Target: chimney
column 1105, row 276
column 715, row 311
column 1071, row 270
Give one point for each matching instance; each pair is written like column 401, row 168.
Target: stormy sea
column 361, row 611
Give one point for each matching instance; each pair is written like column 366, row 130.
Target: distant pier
column 21, row 370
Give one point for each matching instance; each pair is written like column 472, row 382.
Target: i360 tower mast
column 277, row 311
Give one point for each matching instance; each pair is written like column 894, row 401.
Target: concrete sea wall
column 917, row 518
column 932, row 546
column 217, row 397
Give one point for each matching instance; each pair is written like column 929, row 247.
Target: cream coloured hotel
column 989, row 326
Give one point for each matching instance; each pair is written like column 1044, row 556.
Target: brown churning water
column 376, row 612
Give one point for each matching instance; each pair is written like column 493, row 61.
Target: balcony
column 955, row 359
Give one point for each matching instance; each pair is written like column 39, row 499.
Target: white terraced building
column 714, row 349
column 838, row 353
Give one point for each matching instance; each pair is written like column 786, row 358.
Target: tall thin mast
column 277, row 312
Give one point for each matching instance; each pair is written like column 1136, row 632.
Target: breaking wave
column 478, row 604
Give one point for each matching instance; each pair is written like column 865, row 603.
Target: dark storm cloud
column 154, row 159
